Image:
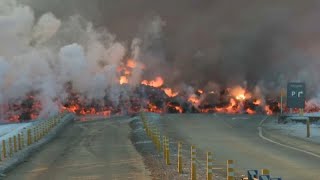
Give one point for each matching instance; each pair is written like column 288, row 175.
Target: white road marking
column 280, row 144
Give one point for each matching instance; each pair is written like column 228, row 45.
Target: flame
column 178, row 108
column 158, row 82
column 153, row 108
column 257, row 102
column 194, row 99
column 123, row 80
column 268, row 110
column 169, row 92
column 240, row 93
column 250, row 111
column 131, row 63
column 200, row 91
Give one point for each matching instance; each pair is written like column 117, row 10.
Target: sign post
column 296, row 99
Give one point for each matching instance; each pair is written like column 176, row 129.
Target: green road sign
column 296, row 95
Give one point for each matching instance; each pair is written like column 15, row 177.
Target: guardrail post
column 179, row 158
column 34, row 135
column 15, row 149
column 265, row 172
column 209, row 166
column 159, row 141
column 230, row 170
column 10, row 147
column 164, row 141
column 29, row 137
column 308, row 127
column 193, row 163
column 22, row 140
column 19, row 141
column 4, row 150
column 168, row 152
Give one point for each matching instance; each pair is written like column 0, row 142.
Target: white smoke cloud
column 43, row 54
column 47, row 26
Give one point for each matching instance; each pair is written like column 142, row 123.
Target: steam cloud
column 203, row 44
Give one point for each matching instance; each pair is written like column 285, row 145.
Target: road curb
column 20, row 157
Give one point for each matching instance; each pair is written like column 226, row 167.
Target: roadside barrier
column 33, row 133
column 162, row 145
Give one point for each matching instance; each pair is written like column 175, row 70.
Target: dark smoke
column 221, row 41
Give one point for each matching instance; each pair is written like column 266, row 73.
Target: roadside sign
column 296, row 95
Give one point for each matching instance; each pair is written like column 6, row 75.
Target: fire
column 131, row 63
column 123, row 80
column 194, row 99
column 169, row 92
column 240, row 93
column 241, row 97
column 268, row 110
column 158, row 82
column 174, row 107
column 257, row 102
column 200, row 91
column 250, row 111
column 154, row 108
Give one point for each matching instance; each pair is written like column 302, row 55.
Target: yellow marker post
column 179, row 157
column 193, row 163
column 15, row 149
column 230, row 170
column 29, row 138
column 34, row 135
column 209, row 166
column 10, row 147
column 19, row 142
column 4, row 150
column 164, row 142
column 22, row 140
column 168, row 152
column 308, row 128
column 265, row 172
column 159, row 142
column 282, row 93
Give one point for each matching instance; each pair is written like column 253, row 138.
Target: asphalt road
column 86, row 150
column 236, row 137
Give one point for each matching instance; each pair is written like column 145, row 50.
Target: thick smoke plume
column 223, row 42
column 192, row 44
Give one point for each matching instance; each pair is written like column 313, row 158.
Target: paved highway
column 236, row 137
column 86, row 150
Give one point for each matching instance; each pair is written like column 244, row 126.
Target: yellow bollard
column 4, row 150
column 230, row 170
column 15, row 149
column 34, row 135
column 193, row 163
column 308, row 128
column 179, row 158
column 22, row 140
column 42, row 130
column 168, row 152
column 159, row 142
column 265, row 172
column 209, row 166
column 10, row 147
column 164, row 142
column 29, row 137
column 19, row 141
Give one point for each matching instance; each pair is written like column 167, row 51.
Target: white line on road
column 280, row 144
